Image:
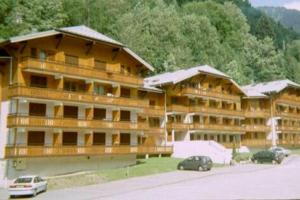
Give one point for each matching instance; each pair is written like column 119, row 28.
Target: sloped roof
column 89, row 33
column 261, row 89
column 81, row 31
column 183, row 74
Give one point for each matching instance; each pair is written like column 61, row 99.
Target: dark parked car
column 267, row 156
column 200, row 163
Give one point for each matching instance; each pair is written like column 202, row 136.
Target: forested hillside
column 288, row 18
column 170, row 34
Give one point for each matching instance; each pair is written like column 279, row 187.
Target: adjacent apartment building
column 272, row 111
column 202, row 103
column 74, row 99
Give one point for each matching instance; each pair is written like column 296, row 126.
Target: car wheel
column 34, row 193
column 200, row 168
column 181, row 167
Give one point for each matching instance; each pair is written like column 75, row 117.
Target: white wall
column 133, row 116
column 108, row 139
column 59, row 165
column 4, row 111
column 133, row 139
column 23, row 107
column 108, row 114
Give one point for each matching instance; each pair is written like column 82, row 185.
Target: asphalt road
column 248, row 181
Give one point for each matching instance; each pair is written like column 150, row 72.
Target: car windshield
column 23, row 180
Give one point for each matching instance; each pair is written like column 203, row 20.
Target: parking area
column 247, row 181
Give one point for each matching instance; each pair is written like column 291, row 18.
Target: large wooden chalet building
column 77, row 97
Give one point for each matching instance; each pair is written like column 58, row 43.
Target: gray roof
column 81, row 31
column 90, row 33
column 183, row 74
column 260, row 89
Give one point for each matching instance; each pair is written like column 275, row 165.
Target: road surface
column 248, row 181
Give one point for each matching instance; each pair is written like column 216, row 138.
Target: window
column 35, row 138
column 152, row 103
column 125, row 92
column 69, row 138
column 99, row 139
column 99, row 89
column 71, row 112
column 72, row 60
column 37, row 109
column 33, row 52
column 125, row 115
column 42, row 55
column 125, row 139
column 74, row 86
column 38, row 81
column 100, row 64
column 123, row 69
column 174, row 100
column 99, row 113
column 154, row 122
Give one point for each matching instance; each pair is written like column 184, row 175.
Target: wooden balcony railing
column 209, row 93
column 285, row 128
column 36, row 151
column 156, row 130
column 287, row 114
column 59, row 67
column 257, row 128
column 154, row 111
column 177, row 125
column 217, row 127
column 289, row 100
column 216, row 111
column 33, row 121
column 256, row 142
column 257, row 113
column 177, row 108
column 51, row 94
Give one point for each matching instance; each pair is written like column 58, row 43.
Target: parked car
column 27, row 185
column 282, row 150
column 200, row 163
column 267, row 156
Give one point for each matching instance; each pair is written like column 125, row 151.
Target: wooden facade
column 66, row 83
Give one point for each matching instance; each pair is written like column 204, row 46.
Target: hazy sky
column 290, row 4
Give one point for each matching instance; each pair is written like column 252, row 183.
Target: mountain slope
column 288, row 18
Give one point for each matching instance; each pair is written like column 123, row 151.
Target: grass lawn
column 295, row 151
column 143, row 167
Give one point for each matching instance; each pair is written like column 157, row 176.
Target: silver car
column 27, row 185
column 281, row 150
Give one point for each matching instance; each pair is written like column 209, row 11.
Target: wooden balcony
column 89, row 72
column 289, row 100
column 287, row 114
column 209, row 93
column 288, row 129
column 177, row 108
column 32, row 121
column 155, row 111
column 256, row 142
column 257, row 128
column 51, row 94
column 217, row 128
column 257, row 113
column 216, row 111
column 37, row 151
column 156, row 130
column 178, row 126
